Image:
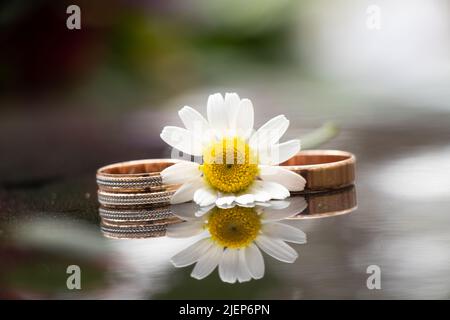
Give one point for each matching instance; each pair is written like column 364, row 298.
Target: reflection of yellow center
column 229, row 165
column 233, row 228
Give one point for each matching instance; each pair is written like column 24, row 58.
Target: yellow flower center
column 233, row 228
column 229, row 165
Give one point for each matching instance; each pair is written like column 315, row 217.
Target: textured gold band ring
column 133, row 176
column 109, row 199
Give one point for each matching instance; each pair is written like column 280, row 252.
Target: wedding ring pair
column 139, row 183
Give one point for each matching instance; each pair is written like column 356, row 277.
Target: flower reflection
column 232, row 239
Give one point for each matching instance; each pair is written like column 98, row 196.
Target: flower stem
column 319, row 136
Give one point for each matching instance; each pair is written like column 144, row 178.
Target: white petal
column 193, row 120
column 182, row 140
column 276, row 212
column 291, row 180
column 180, row 172
column 192, row 253
column 245, row 119
column 245, row 199
column 207, row 263
column 205, row 196
column 255, row 261
column 185, row 229
column 217, row 115
column 259, row 193
column 284, row 232
column 243, row 274
column 276, row 190
column 186, row 192
column 270, row 132
column 225, row 200
column 228, row 266
column 278, row 153
column 232, row 105
column 277, row 248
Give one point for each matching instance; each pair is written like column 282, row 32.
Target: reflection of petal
column 277, row 248
column 255, row 261
column 225, row 200
column 189, row 211
column 185, row 229
column 228, row 267
column 279, row 212
column 284, row 232
column 243, row 274
column 192, row 253
column 205, row 196
column 245, row 199
column 207, row 263
column 202, row 211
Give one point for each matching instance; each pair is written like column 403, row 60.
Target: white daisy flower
column 238, row 164
column 232, row 239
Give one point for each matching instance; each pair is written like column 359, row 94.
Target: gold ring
column 133, row 176
column 136, row 223
column 323, row 169
column 118, row 200
column 329, row 204
column 131, row 215
column 134, row 231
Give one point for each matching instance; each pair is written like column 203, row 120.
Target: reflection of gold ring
column 131, row 232
column 329, row 204
column 114, row 216
column 323, row 169
column 136, row 223
column 109, row 199
column 133, row 176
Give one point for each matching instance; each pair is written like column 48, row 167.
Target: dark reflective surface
column 49, row 218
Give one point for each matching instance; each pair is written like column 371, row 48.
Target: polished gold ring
column 323, row 169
